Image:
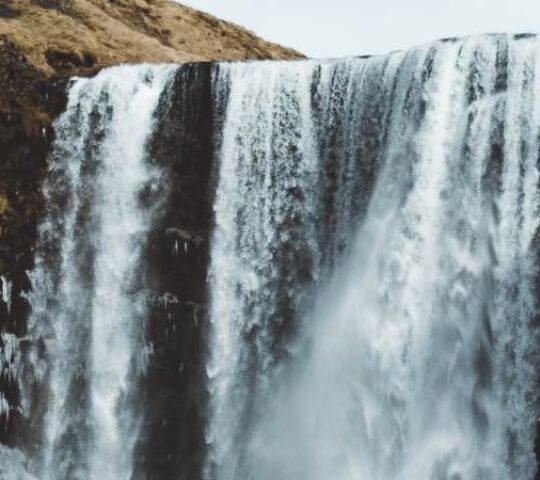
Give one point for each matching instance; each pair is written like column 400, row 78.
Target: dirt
column 70, row 36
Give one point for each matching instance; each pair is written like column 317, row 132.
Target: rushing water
column 90, row 297
column 373, row 267
column 372, row 277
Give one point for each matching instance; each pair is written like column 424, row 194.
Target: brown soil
column 68, row 36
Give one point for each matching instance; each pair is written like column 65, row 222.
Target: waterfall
column 319, row 269
column 89, row 301
column 253, row 288
column 373, row 270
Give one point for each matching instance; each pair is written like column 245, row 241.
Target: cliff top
column 42, row 42
column 67, row 37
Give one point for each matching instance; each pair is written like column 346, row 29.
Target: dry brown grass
column 95, row 33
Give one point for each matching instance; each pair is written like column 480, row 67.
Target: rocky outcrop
column 42, row 44
column 177, row 259
column 28, row 101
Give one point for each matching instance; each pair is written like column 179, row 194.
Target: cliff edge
column 73, row 36
column 42, row 44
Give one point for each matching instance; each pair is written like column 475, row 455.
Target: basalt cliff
column 235, row 270
column 43, row 43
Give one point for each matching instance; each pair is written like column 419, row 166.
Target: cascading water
column 88, row 288
column 373, row 272
column 256, row 221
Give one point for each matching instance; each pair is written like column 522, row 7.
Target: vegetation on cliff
column 70, row 36
column 42, row 44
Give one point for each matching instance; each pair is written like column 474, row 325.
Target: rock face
column 28, row 99
column 177, row 259
column 173, row 394
column 42, row 44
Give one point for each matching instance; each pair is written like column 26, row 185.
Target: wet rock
column 4, row 316
column 184, row 235
column 21, row 282
column 33, row 77
column 176, row 261
column 19, row 315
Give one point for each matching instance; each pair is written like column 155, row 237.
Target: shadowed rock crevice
column 176, row 262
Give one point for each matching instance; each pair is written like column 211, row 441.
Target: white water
column 249, row 231
column 12, row 465
column 373, row 274
column 404, row 191
column 88, row 300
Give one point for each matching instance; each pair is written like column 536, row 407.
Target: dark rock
column 51, row 4
column 28, row 101
column 21, row 282
column 32, row 94
column 449, row 40
column 19, row 315
column 4, row 317
column 520, row 36
column 69, row 62
column 7, row 12
column 176, row 261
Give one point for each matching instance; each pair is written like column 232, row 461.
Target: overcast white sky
column 334, row 28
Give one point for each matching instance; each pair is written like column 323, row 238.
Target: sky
column 337, row 28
